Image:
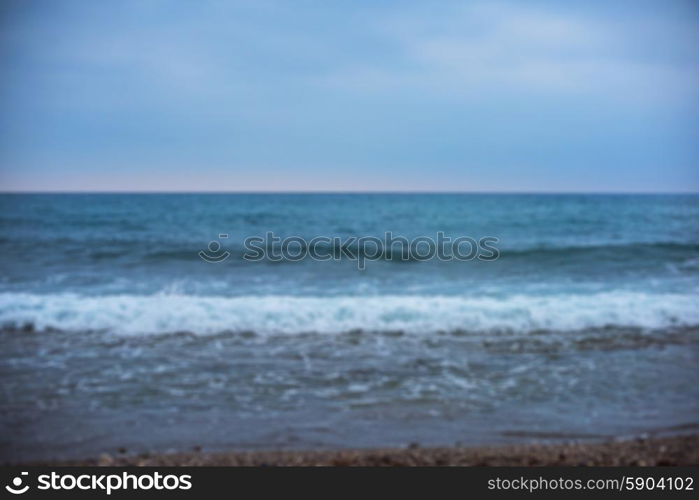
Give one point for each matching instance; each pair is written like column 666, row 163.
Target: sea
column 136, row 323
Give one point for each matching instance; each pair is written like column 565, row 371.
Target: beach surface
column 666, row 451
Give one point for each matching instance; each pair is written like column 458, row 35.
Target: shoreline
column 665, row 451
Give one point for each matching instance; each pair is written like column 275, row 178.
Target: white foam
column 133, row 314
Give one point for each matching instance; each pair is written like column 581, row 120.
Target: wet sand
column 677, row 450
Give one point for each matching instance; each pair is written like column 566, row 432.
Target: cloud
column 505, row 47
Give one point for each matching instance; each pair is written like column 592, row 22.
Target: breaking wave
column 283, row 314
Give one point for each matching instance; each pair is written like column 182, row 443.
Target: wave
column 283, row 314
column 400, row 254
column 633, row 249
column 145, row 251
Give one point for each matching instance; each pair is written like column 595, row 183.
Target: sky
column 262, row 95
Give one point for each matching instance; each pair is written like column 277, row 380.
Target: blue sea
column 116, row 334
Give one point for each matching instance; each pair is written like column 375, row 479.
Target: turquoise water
column 117, row 334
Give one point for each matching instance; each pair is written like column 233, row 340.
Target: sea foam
column 281, row 314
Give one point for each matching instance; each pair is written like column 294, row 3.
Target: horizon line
column 495, row 192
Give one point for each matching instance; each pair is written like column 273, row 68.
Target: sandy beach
column 666, row 451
